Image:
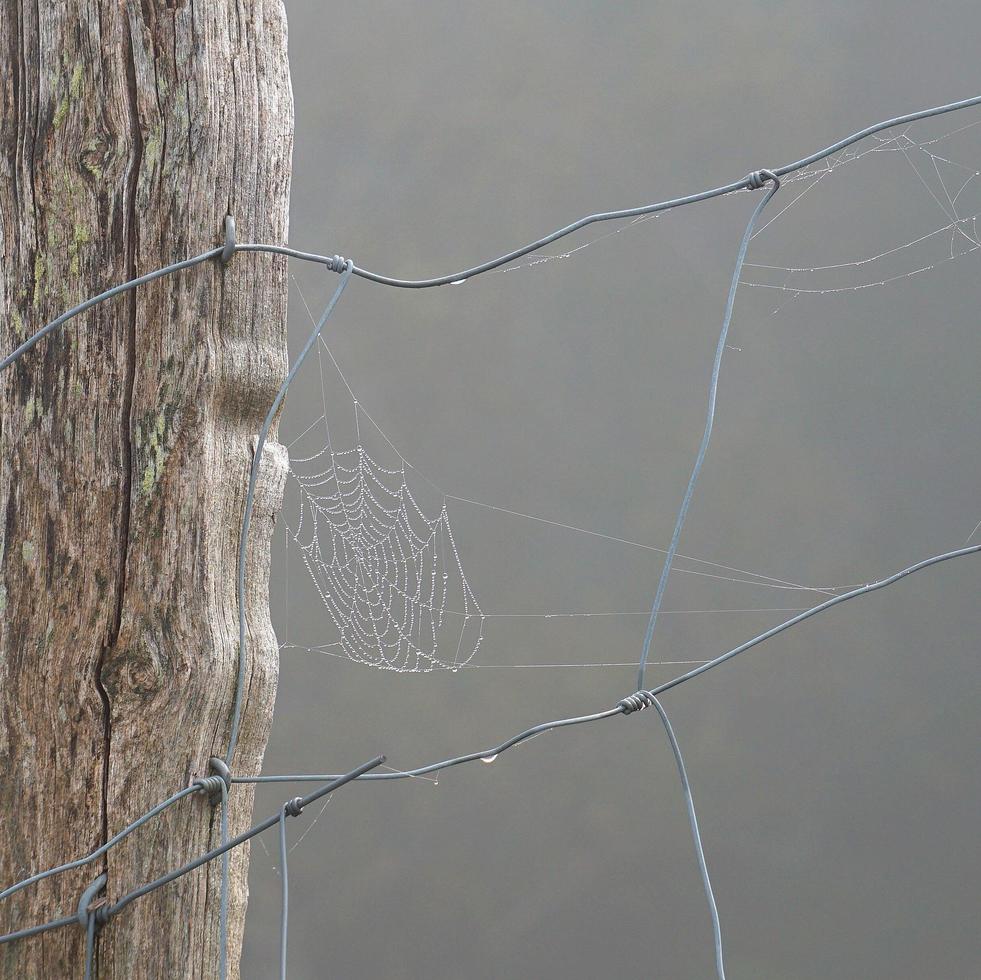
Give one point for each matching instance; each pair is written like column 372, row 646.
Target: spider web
column 379, row 562
column 374, row 533
column 383, row 563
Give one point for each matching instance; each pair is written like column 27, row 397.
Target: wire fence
column 93, row 913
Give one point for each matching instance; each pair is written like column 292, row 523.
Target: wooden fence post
column 127, row 131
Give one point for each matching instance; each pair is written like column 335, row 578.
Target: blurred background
column 834, row 768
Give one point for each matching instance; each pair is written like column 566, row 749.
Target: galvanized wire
column 709, row 422
column 677, row 202
column 284, row 914
column 619, row 709
column 250, row 502
column 225, row 885
column 99, row 851
column 363, row 773
column 86, row 916
column 105, row 912
column 335, row 783
column 697, row 839
column 633, row 702
column 89, row 946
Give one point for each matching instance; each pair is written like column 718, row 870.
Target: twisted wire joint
column 294, row 807
column 636, row 702
column 86, row 906
column 209, row 784
column 759, row 178
column 212, row 784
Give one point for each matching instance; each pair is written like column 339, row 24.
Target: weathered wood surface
column 127, row 131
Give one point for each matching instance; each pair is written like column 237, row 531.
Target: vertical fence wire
column 709, row 421
column 93, row 918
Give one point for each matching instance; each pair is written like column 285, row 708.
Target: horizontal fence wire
column 641, row 700
column 296, row 806
column 623, row 707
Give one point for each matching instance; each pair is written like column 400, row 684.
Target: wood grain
column 127, row 131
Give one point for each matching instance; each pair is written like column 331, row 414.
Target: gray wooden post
column 127, row 131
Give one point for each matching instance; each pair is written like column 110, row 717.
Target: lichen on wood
column 127, row 132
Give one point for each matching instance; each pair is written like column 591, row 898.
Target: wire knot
column 759, row 178
column 212, row 785
column 209, row 784
column 294, row 807
column 86, row 906
column 338, row 263
column 636, row 702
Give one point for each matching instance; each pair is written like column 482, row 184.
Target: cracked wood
column 127, row 131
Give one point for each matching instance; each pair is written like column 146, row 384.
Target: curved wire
column 106, row 912
column 750, row 182
column 364, row 773
column 99, row 851
column 697, row 838
column 250, row 502
column 124, row 287
column 242, row 551
column 813, row 611
column 706, row 434
column 677, row 202
column 284, row 912
column 89, row 946
column 486, row 754
column 65, row 920
column 618, row 710
column 457, row 277
column 223, row 900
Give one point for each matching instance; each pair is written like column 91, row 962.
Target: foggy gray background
column 834, row 768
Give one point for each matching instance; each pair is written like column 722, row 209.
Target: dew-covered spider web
column 383, row 563
column 381, row 541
